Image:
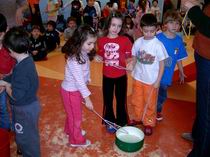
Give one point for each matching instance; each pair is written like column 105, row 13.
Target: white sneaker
column 83, row 132
column 87, row 143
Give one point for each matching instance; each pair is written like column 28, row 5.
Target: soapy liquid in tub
column 129, row 138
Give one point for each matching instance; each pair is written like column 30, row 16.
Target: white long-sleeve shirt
column 77, row 76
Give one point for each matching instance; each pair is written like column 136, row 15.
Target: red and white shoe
column 159, row 116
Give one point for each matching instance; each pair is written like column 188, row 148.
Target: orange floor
column 165, row 141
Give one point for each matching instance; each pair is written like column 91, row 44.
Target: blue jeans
column 162, row 96
column 26, row 120
column 4, row 114
column 201, row 127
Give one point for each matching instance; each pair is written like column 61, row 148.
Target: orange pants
column 144, row 103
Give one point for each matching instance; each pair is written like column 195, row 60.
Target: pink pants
column 72, row 104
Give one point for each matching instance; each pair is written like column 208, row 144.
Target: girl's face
column 149, row 32
column 89, row 44
column 115, row 27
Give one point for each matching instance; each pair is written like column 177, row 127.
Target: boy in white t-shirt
column 147, row 67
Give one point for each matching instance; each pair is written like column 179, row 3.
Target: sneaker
column 159, row 116
column 187, row 136
column 87, row 143
column 110, row 129
column 83, row 132
column 19, row 152
column 148, row 130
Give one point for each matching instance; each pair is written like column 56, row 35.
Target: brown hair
column 172, row 15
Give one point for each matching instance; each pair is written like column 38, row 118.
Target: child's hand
column 156, row 84
column 130, row 66
column 3, row 83
column 98, row 58
column 34, row 52
column 88, row 103
column 1, row 76
column 2, row 88
column 182, row 77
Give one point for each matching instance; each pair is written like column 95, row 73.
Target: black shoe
column 19, row 152
column 187, row 136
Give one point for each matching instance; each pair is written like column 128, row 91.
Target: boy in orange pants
column 148, row 66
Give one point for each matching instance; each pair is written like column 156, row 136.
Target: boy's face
column 49, row 27
column 91, row 2
column 1, row 36
column 155, row 4
column 72, row 24
column 172, row 26
column 149, row 32
column 35, row 33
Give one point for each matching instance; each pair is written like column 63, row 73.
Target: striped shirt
column 77, row 76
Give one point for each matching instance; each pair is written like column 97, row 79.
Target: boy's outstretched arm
column 131, row 62
column 182, row 76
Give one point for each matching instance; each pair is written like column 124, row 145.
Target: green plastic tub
column 129, row 139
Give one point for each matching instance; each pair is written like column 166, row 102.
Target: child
column 6, row 65
column 114, row 49
column 38, row 47
column 71, row 26
column 22, row 86
column 128, row 28
column 155, row 9
column 73, row 87
column 148, row 57
column 52, row 10
column 89, row 13
column 131, row 8
column 52, row 36
column 176, row 51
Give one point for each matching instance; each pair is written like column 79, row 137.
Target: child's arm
column 160, row 74
column 131, row 62
column 181, row 72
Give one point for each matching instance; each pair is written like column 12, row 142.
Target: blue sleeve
column 20, row 86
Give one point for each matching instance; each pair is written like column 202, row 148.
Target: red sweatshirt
column 6, row 62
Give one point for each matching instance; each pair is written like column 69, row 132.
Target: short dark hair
column 35, row 27
column 148, row 20
column 155, row 1
column 3, row 23
column 52, row 23
column 17, row 39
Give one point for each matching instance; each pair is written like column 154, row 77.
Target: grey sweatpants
column 26, row 128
